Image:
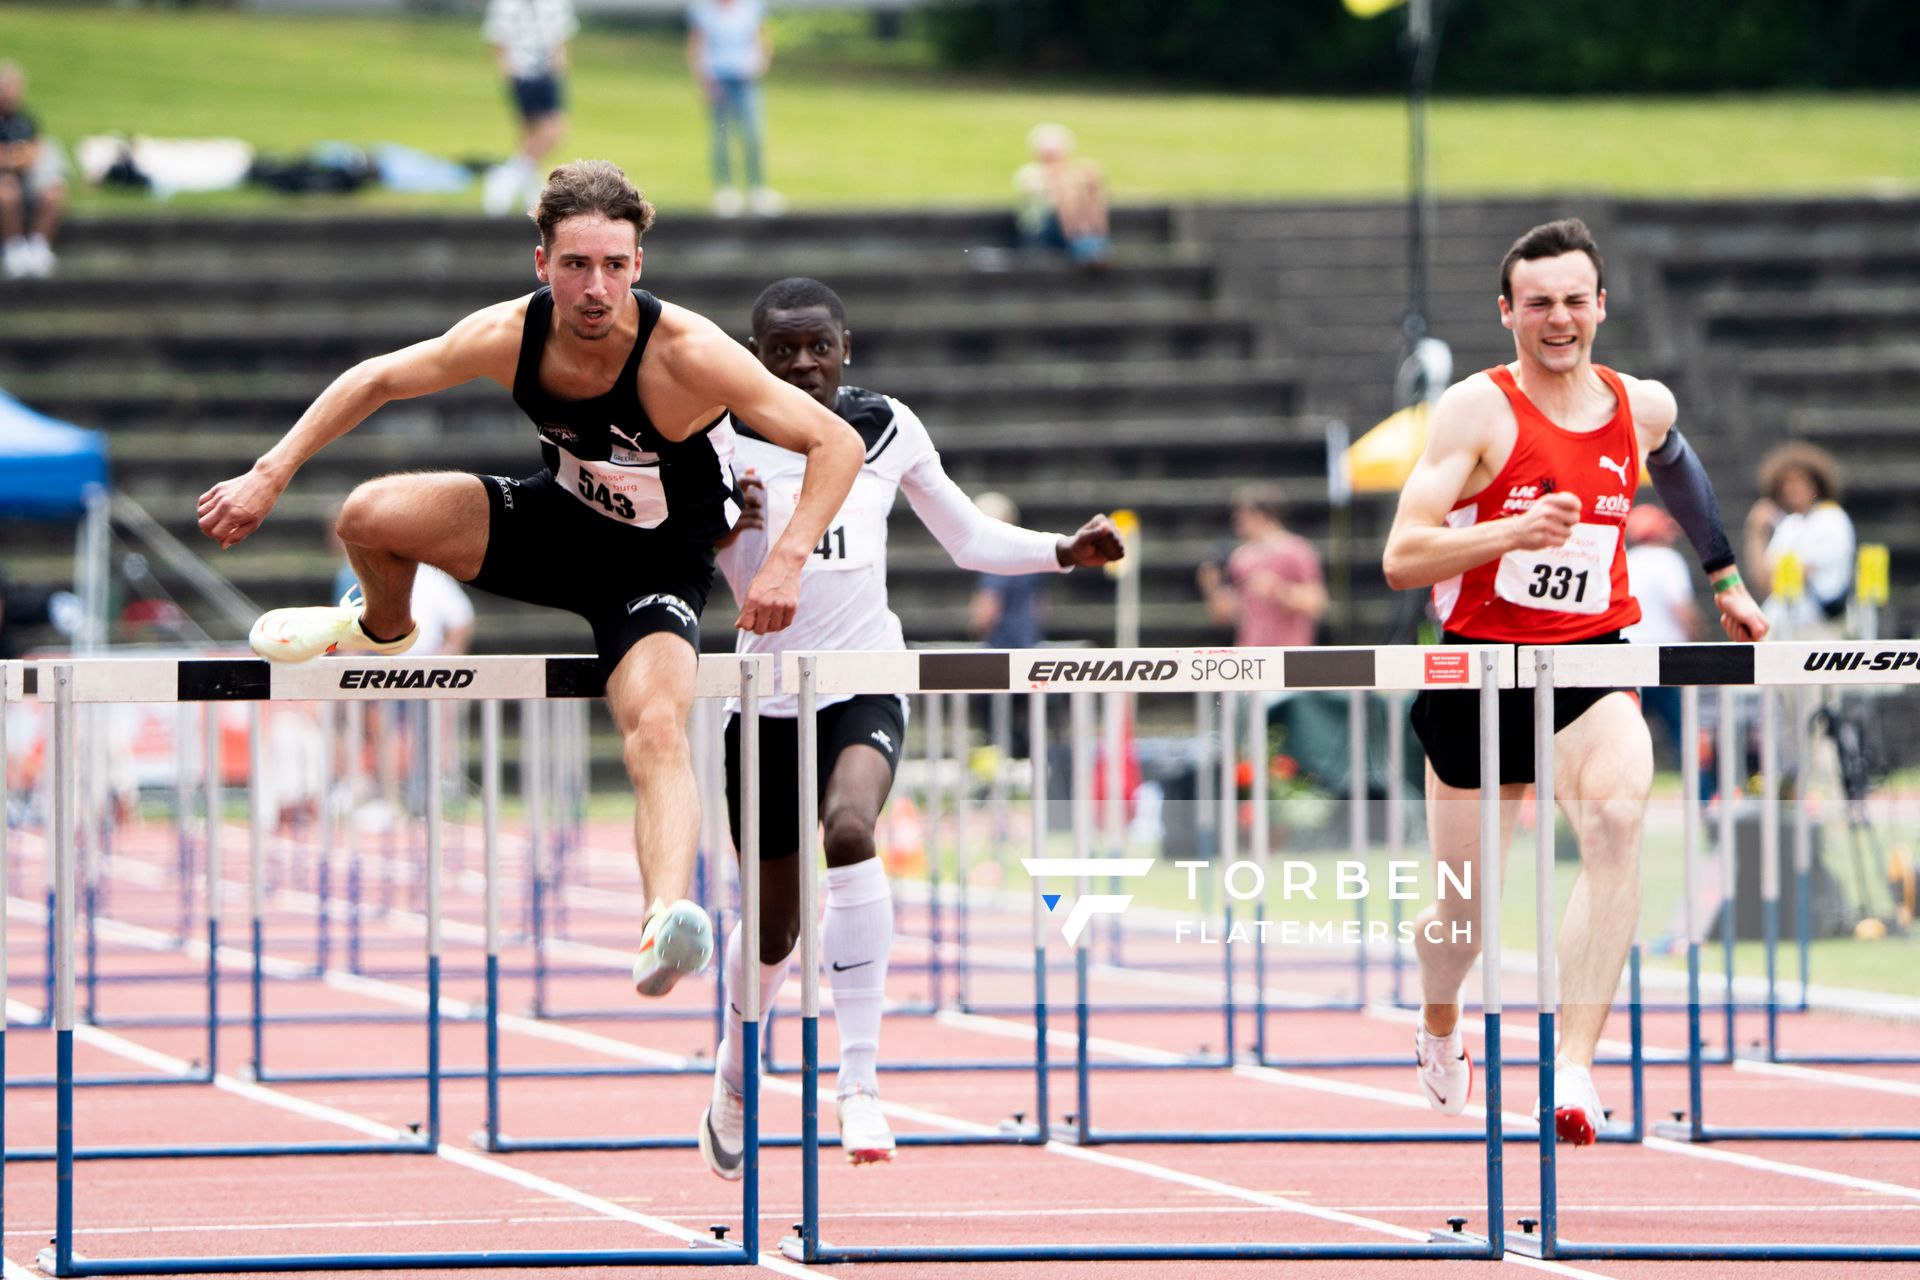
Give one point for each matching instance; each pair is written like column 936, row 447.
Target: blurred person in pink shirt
column 1271, row 587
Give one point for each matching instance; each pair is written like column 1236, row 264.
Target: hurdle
column 1801, row 720
column 1358, row 845
column 716, row 679
column 478, row 679
column 16, row 679
column 989, row 671
column 545, row 785
column 1773, row 665
column 1546, row 668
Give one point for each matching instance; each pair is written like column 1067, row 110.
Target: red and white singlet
column 1567, row 593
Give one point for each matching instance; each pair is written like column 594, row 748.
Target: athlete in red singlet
column 1513, row 516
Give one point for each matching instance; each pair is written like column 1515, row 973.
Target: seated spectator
column 1061, row 201
column 1799, row 513
column 33, row 183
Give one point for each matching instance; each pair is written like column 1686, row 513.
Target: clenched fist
column 1547, row 523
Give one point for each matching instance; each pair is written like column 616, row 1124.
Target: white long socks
column 856, row 941
column 729, row 1058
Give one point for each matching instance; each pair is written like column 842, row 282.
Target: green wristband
column 1726, row 581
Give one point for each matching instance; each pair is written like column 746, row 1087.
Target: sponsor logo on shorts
column 671, row 603
column 880, row 736
column 389, row 678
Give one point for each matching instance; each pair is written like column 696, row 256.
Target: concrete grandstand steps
column 1145, row 447
column 1854, row 425
column 1180, row 330
column 227, row 401
column 1792, row 266
column 394, row 234
column 1773, row 318
column 1879, row 377
column 722, row 288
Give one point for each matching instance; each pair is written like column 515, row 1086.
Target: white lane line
column 460, row 1156
column 1198, row 1182
column 1525, row 1029
column 1824, row 1075
column 1408, row 1101
column 961, row 1214
column 412, row 997
column 622, row 1049
column 1700, row 1151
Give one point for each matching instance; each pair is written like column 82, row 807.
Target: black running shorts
column 877, row 720
column 546, row 548
column 1447, row 722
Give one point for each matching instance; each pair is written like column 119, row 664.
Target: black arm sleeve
column 1682, row 484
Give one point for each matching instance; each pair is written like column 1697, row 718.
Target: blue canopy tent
column 47, row 466
column 52, row 470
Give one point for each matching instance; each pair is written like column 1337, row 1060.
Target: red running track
column 462, row 1199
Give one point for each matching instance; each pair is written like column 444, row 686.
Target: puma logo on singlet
column 1618, row 468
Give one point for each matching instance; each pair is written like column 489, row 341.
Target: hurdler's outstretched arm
column 484, row 344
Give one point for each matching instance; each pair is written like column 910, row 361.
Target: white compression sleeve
column 974, row 539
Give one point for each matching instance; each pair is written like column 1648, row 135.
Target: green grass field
column 856, row 123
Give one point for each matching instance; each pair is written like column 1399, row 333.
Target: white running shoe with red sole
column 865, row 1136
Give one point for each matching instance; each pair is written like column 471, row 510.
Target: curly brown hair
column 590, row 187
column 1798, row 455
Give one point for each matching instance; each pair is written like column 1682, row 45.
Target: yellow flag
column 1371, row 8
column 1870, row 578
column 1789, row 577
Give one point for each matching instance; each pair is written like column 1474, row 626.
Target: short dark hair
column 793, row 293
column 590, row 187
column 1263, row 496
column 1550, row 240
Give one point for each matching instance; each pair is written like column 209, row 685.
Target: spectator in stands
column 1061, row 200
column 1006, row 608
column 1662, row 581
column 1799, row 513
column 530, row 39
column 33, row 183
column 1272, row 590
column 728, row 52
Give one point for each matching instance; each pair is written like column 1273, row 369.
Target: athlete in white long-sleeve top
column 800, row 335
